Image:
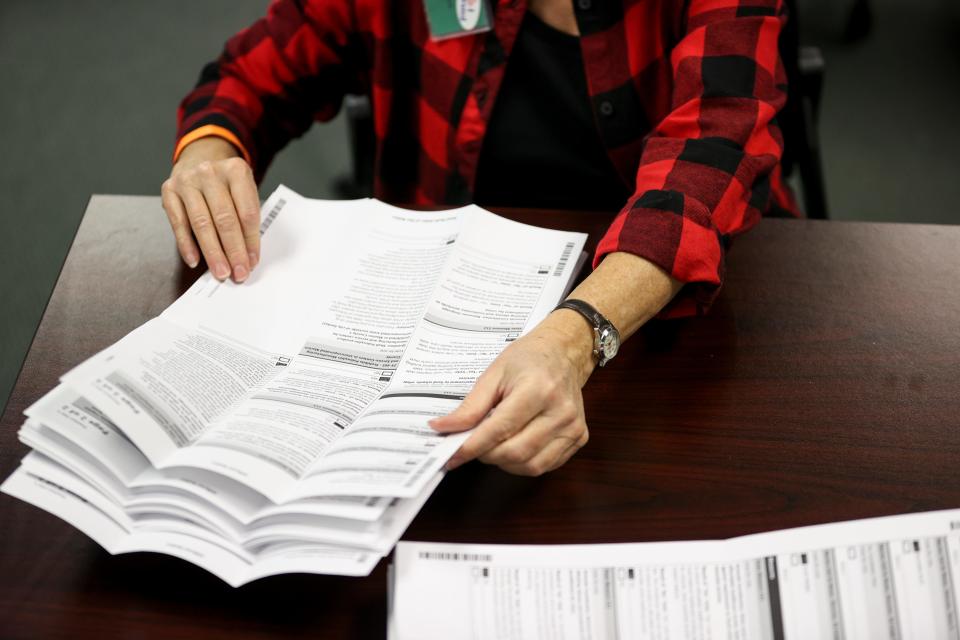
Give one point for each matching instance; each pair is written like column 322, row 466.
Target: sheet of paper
column 169, row 384
column 883, row 578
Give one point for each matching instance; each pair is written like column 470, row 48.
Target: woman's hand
column 211, row 199
column 527, row 406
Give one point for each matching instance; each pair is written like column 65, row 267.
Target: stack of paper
column 281, row 425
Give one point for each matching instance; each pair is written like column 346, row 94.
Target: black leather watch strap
column 593, row 316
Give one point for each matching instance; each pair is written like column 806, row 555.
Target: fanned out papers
column 280, row 425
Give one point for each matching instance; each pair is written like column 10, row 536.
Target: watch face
column 609, row 343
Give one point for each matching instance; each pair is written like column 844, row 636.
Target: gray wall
column 88, row 92
column 890, row 126
column 87, row 105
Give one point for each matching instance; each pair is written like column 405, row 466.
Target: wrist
column 209, row 148
column 575, row 338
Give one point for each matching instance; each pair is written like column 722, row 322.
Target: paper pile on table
column 281, row 425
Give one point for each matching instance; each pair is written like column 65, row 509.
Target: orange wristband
column 211, row 130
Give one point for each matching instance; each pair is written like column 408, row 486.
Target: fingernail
column 453, row 463
column 192, row 260
column 254, row 259
column 240, row 273
column 221, row 271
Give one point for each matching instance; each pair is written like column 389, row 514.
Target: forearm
column 257, row 90
column 627, row 289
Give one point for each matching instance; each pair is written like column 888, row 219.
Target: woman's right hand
column 211, row 200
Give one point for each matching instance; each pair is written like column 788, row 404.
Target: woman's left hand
column 527, row 406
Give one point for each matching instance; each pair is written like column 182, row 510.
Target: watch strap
column 593, row 316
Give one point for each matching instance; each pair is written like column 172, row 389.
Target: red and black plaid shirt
column 684, row 92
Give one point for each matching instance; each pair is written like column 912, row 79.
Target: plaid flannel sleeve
column 273, row 80
column 704, row 174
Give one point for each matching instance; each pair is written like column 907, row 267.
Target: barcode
column 456, row 556
column 564, row 257
column 272, row 215
column 419, row 472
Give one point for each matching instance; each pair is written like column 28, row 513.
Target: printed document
column 886, row 578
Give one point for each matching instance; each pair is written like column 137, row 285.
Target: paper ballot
column 894, row 578
column 281, row 425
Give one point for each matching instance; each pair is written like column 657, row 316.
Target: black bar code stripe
column 773, row 596
column 456, row 556
column 564, row 258
column 272, row 215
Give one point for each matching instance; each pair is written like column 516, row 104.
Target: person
column 663, row 109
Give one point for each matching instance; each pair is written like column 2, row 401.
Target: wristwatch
column 606, row 338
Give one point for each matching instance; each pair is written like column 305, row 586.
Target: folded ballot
column 280, row 425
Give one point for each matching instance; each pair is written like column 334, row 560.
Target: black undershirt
column 542, row 148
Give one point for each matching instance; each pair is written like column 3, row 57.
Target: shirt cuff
column 688, row 251
column 208, row 130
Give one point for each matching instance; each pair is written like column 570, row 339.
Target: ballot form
column 281, row 425
column 888, row 578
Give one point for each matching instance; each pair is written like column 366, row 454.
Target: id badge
column 455, row 18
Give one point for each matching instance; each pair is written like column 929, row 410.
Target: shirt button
column 585, row 5
column 606, row 108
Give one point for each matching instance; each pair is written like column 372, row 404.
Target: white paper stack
column 281, row 425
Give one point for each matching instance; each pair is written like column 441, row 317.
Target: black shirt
column 542, row 147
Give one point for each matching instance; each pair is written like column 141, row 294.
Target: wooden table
column 824, row 385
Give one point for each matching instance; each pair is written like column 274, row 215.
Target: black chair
column 800, row 117
column 798, row 121
column 359, row 182
column 859, row 21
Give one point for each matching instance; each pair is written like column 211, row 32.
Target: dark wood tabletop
column 824, row 385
